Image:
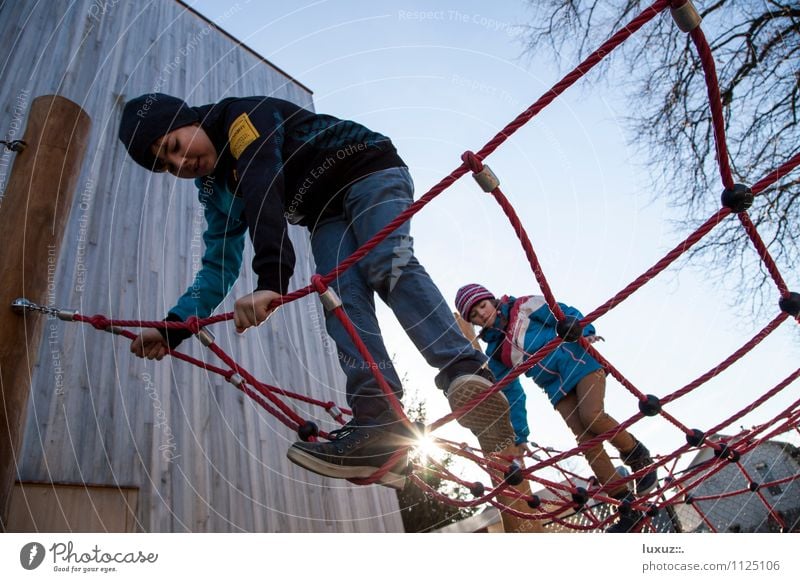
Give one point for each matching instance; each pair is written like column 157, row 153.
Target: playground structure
column 567, row 498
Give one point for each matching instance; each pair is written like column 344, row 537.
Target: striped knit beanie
column 469, row 296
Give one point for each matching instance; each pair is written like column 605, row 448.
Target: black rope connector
column 513, row 475
column 753, row 486
column 534, row 502
column 726, row 452
column 790, row 304
column 624, row 505
column 652, row 511
column 580, row 496
column 650, row 406
column 477, row 489
column 307, row 430
column 689, row 500
column 569, row 329
column 695, row 438
column 738, row 199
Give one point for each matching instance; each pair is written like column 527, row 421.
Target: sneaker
column 490, row 420
column 629, row 519
column 637, row 459
column 354, row 452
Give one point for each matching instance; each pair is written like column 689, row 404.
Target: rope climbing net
column 572, row 496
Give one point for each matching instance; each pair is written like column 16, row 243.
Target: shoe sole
column 650, row 481
column 490, row 420
column 311, row 463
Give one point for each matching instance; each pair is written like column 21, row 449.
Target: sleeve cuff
column 174, row 337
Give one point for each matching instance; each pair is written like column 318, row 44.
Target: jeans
column 391, row 271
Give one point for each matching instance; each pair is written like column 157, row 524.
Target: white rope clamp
column 330, row 300
column 206, row 337
column 236, row 380
column 486, row 179
column 686, row 16
column 66, row 314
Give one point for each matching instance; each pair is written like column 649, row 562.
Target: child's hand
column 149, row 344
column 253, row 309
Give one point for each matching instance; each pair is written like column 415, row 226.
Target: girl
column 575, row 383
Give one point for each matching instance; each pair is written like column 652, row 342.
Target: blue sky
column 443, row 77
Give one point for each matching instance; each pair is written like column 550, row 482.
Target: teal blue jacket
column 224, row 239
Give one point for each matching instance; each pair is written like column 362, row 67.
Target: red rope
column 725, row 364
column 715, row 101
column 269, row 396
column 668, row 259
column 776, row 174
column 763, row 253
column 582, row 69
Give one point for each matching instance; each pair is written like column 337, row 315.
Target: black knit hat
column 149, row 117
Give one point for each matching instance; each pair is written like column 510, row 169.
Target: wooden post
column 33, row 216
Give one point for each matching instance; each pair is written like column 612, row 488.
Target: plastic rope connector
column 650, row 406
column 580, row 496
column 206, row 337
column 477, row 489
column 686, row 16
column 334, row 411
column 534, row 502
column 695, row 438
column 330, row 300
column 738, row 199
column 513, row 475
column 790, row 304
column 728, row 453
column 307, row 431
column 569, row 329
column 236, row 380
column 486, row 179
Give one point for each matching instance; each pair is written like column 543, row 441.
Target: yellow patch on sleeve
column 241, row 134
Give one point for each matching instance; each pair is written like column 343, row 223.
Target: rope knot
column 193, row 324
column 100, row 322
column 474, row 162
column 319, row 283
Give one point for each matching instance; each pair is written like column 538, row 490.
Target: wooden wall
column 204, row 456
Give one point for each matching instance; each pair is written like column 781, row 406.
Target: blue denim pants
column 392, row 271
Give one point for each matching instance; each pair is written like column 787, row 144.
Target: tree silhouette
column 755, row 44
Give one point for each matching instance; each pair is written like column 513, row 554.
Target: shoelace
column 340, row 433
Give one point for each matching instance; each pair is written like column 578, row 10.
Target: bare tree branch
column 756, row 48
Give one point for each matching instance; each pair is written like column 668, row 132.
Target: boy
column 261, row 162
